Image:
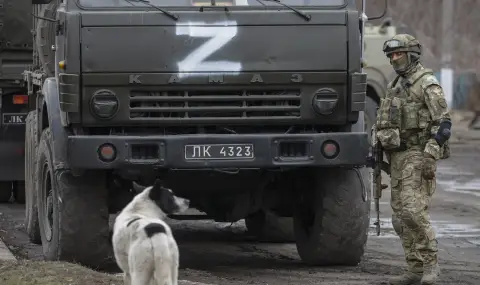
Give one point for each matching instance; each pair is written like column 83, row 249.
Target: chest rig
column 403, row 116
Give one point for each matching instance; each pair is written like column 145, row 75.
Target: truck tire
column 73, row 212
column 19, row 192
column 5, row 191
column 32, row 226
column 331, row 220
column 370, row 115
column 266, row 226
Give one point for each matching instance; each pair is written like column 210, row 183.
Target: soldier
column 413, row 127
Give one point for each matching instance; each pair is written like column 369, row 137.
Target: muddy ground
column 217, row 253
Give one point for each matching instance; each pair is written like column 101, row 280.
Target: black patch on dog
column 153, row 229
column 132, row 221
column 163, row 198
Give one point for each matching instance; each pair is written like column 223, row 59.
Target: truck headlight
column 104, row 104
column 325, row 101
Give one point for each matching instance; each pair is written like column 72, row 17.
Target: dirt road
column 217, row 253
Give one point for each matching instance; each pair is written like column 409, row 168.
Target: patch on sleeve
column 442, row 102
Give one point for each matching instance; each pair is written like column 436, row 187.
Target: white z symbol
column 220, row 36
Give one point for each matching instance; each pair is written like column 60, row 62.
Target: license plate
column 14, row 119
column 218, row 151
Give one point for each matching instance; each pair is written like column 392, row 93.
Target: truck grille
column 209, row 104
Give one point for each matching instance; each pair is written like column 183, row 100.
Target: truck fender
column 59, row 132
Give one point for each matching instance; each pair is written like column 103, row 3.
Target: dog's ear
column 163, row 197
column 137, row 187
column 156, row 191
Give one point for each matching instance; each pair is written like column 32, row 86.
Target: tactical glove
column 429, row 166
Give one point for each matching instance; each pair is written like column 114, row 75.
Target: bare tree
column 424, row 20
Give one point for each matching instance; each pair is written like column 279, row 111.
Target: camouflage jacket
column 413, row 108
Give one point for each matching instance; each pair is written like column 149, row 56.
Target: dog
column 143, row 244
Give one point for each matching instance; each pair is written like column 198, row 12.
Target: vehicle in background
column 15, row 56
column 378, row 68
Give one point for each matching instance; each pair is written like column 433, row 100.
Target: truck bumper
column 12, row 160
column 270, row 151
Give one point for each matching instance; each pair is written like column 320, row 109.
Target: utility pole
column 446, row 73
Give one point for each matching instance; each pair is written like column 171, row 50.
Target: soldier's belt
column 413, row 140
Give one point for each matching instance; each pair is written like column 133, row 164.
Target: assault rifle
column 375, row 161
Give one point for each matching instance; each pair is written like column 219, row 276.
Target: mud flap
column 58, row 131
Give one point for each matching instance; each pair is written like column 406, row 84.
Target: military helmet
column 402, row 43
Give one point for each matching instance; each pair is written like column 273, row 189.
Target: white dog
column 144, row 246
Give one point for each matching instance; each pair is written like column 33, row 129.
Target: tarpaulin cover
column 16, row 17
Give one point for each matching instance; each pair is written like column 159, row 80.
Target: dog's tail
column 157, row 234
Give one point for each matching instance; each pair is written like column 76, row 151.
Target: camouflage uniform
column 411, row 126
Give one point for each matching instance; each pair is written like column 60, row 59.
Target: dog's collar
column 132, row 221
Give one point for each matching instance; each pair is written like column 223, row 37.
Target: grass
column 25, row 272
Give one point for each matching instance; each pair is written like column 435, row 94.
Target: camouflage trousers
column 411, row 195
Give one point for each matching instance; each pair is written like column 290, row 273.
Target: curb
column 5, row 253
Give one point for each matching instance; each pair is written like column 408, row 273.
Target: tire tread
column 341, row 236
column 83, row 215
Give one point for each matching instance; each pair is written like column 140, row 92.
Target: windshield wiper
column 147, row 2
column 307, row 17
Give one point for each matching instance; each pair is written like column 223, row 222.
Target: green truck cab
column 239, row 106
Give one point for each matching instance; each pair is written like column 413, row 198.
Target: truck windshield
column 191, row 3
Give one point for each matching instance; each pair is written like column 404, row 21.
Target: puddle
column 471, row 187
column 474, row 242
column 444, row 229
column 454, row 179
column 445, row 170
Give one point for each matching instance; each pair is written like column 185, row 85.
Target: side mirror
column 41, row 1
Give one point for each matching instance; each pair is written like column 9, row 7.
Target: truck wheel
column 32, row 226
column 73, row 212
column 331, row 219
column 269, row 227
column 370, row 116
column 5, row 191
column 19, row 192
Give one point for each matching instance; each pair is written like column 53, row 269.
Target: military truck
column 252, row 109
column 15, row 55
column 378, row 68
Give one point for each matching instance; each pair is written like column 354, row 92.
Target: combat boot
column 430, row 274
column 408, row 278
